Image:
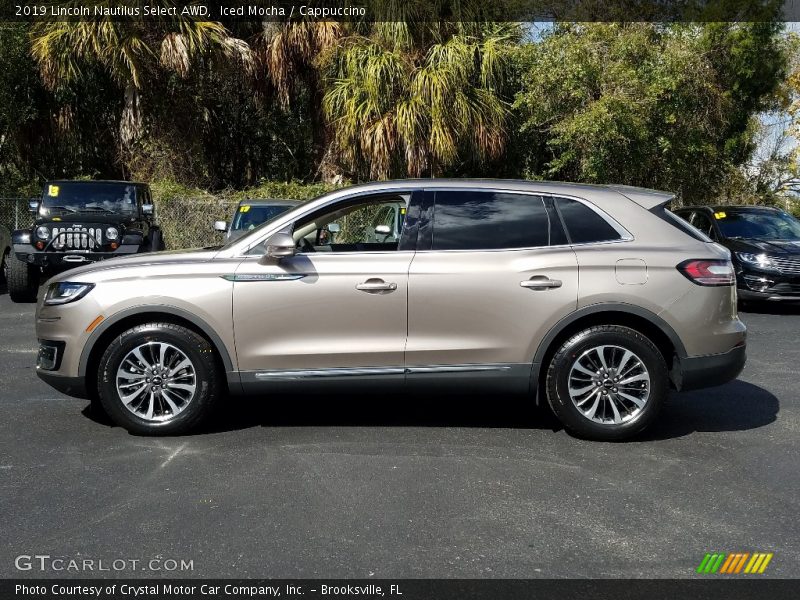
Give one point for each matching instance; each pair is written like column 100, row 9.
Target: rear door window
column 489, row 220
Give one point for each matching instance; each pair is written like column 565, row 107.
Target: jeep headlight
column 112, row 233
column 762, row 261
column 42, row 232
column 65, row 292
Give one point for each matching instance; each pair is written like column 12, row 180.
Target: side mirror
column 383, row 230
column 33, row 206
column 280, row 245
column 148, row 209
column 221, row 226
column 334, row 227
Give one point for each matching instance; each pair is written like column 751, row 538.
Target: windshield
column 86, row 196
column 235, row 240
column 248, row 217
column 761, row 225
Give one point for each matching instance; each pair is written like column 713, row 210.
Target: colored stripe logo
column 733, row 563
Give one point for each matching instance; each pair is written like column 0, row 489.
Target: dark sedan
column 764, row 244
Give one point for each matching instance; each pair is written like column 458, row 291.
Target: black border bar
column 710, row 588
column 231, row 11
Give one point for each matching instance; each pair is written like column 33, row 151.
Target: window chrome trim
column 625, row 235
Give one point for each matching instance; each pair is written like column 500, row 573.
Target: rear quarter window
column 666, row 215
column 584, row 225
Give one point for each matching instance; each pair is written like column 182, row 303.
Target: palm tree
column 288, row 54
column 416, row 97
column 130, row 52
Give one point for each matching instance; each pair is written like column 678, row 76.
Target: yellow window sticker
column 244, row 208
column 52, row 190
column 720, row 215
column 56, row 218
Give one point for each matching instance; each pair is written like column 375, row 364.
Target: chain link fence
column 189, row 222
column 14, row 213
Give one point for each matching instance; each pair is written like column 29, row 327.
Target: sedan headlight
column 42, row 232
column 112, row 233
column 64, row 292
column 762, row 261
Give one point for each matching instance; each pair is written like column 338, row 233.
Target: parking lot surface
column 387, row 487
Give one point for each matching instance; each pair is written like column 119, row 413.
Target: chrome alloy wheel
column 156, row 381
column 609, row 385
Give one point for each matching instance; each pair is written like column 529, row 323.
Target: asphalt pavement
column 387, row 486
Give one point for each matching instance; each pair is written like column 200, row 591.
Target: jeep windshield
column 67, row 197
column 757, row 224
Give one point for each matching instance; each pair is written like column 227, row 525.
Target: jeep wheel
column 607, row 383
column 156, row 240
column 4, row 267
column 159, row 379
column 23, row 280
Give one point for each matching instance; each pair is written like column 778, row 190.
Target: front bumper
column 707, row 371
column 71, row 386
column 68, row 259
column 753, row 284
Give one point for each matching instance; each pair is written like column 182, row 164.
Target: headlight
column 42, row 232
column 112, row 233
column 762, row 261
column 64, row 292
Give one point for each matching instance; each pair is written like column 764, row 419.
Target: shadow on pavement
column 737, row 406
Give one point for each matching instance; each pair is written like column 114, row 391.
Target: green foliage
column 434, row 88
column 645, row 104
column 413, row 101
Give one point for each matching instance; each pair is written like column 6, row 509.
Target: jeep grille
column 78, row 238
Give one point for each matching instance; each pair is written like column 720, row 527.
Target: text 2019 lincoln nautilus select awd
column 595, row 299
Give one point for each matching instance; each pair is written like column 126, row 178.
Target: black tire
column 208, row 380
column 4, row 267
column 156, row 240
column 23, row 280
column 558, row 379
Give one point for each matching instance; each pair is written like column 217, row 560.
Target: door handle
column 376, row 285
column 540, row 283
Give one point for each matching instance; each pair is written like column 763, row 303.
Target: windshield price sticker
column 52, row 190
column 720, row 215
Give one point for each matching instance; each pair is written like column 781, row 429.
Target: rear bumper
column 707, row 371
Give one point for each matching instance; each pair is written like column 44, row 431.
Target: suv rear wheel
column 159, row 378
column 607, row 383
column 23, row 280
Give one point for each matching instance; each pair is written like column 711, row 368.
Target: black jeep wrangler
column 79, row 222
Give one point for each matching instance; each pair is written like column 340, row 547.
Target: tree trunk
column 131, row 122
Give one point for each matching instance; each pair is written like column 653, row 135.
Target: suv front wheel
column 159, row 379
column 607, row 383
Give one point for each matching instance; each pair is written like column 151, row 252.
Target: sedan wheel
column 607, row 382
column 159, row 379
column 156, row 381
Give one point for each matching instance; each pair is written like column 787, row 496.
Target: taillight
column 708, row 272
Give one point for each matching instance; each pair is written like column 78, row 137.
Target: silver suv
column 595, row 299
